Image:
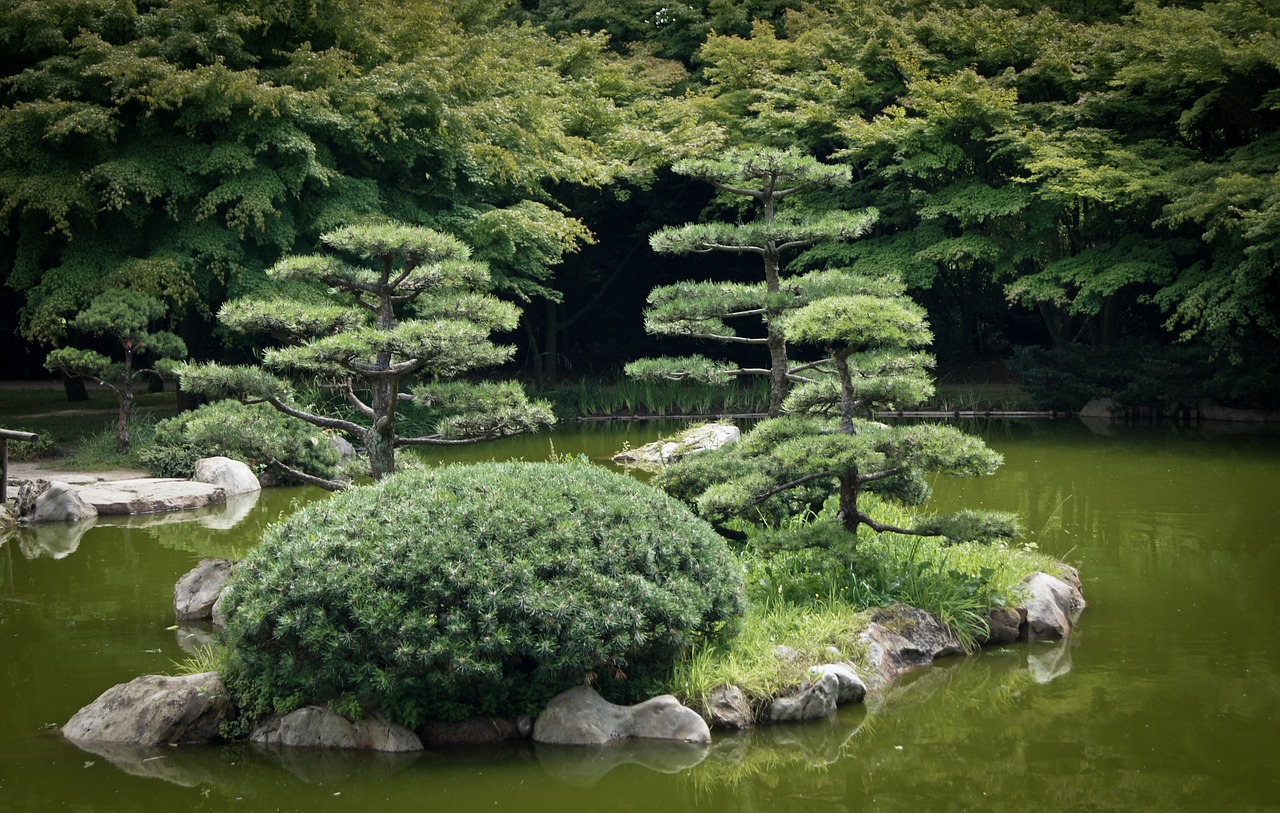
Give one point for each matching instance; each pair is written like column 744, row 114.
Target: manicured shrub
column 255, row 434
column 440, row 593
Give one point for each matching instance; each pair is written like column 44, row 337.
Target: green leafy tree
column 182, row 147
column 127, row 317
column 830, row 444
column 408, row 304
column 707, row 310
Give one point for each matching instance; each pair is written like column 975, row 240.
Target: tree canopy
column 1054, row 173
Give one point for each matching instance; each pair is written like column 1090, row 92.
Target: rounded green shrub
column 252, row 433
column 440, row 593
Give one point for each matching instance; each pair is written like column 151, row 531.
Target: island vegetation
column 332, row 205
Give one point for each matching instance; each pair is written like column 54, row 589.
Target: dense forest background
column 1086, row 186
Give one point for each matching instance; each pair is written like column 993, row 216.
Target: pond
column 1168, row 697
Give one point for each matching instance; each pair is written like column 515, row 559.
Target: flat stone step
column 149, row 496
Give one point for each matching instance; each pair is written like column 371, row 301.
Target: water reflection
column 58, row 540
column 584, row 767
column 55, row 540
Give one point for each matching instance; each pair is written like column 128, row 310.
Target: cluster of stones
column 215, row 480
column 153, row 710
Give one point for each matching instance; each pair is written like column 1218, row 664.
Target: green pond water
column 1167, row 698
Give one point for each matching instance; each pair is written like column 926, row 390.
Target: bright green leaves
column 858, row 322
column 761, row 173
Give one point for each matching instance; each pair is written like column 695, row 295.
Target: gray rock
column 785, row 653
column 1051, row 607
column 692, row 441
column 199, row 588
column 851, row 687
column 56, row 502
column 727, row 707
column 150, row 496
column 901, row 637
column 342, row 446
column 524, row 726
column 580, row 716
column 482, row 729
column 153, row 709
column 1004, row 625
column 1101, row 408
column 816, row 700
column 219, row 614
column 232, row 476
column 317, row 727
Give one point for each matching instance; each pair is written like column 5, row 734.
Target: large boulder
column 148, row 495
column 580, row 716
column 851, row 688
column 317, row 727
column 900, row 637
column 1004, row 625
column 1051, row 606
column 727, row 707
column 815, row 700
column 154, row 710
column 692, row 441
column 52, row 501
column 199, row 589
column 232, row 476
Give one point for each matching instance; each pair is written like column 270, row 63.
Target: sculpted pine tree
column 829, row 442
column 408, row 304
column 709, row 310
column 125, row 316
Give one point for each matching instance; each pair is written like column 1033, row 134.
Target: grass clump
column 489, row 588
column 810, row 586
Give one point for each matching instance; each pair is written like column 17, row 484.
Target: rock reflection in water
column 584, row 766
column 56, row 540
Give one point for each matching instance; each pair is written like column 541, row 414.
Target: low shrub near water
column 481, row 588
column 251, row 433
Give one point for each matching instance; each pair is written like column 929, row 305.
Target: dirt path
column 40, row 470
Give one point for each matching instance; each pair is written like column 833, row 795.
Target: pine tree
column 406, row 304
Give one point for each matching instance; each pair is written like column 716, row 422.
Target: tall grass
column 629, row 398
column 822, row 632
column 816, row 599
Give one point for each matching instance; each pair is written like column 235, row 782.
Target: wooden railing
column 7, row 435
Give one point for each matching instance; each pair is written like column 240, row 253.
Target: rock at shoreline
column 150, row 496
column 154, row 710
column 317, row 727
column 199, row 589
column 852, row 689
column 1004, row 625
column 232, row 476
column 580, row 716
column 815, row 700
column 1052, row 605
column 692, row 441
column 727, row 707
column 51, row 501
column 900, row 637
